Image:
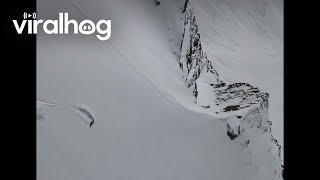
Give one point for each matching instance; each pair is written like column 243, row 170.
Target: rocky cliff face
column 237, row 96
column 193, row 61
column 245, row 106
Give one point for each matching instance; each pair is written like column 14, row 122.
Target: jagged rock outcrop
column 237, row 96
column 198, row 69
column 245, row 105
column 193, row 61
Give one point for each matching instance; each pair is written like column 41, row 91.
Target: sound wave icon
column 26, row 15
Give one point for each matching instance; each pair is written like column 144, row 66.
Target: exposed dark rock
column 222, row 84
column 205, row 107
column 241, row 95
column 193, row 61
column 232, row 133
column 157, row 2
column 231, row 108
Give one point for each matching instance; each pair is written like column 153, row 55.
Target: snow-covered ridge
column 193, row 61
column 245, row 106
column 253, row 133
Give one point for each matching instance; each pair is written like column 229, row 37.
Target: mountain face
column 149, row 101
column 198, row 71
column 193, row 61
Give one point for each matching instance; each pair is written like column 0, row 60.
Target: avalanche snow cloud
column 182, row 90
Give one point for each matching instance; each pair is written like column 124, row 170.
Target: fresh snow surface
column 146, row 123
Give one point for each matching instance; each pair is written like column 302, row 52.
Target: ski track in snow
column 143, row 76
column 83, row 112
column 102, row 151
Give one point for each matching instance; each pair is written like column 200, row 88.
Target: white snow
column 244, row 40
column 144, row 128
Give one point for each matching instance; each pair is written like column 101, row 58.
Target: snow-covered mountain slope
column 245, row 106
column 160, row 112
column 244, row 41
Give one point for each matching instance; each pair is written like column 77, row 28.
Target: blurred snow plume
column 81, row 111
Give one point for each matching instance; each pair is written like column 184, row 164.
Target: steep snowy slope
column 244, row 40
column 138, row 134
column 244, row 106
column 147, row 125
